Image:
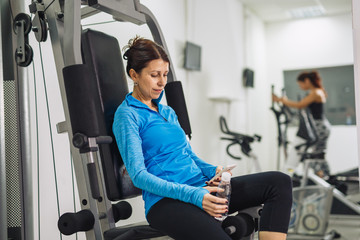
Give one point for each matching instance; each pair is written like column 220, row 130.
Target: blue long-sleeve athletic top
column 157, row 154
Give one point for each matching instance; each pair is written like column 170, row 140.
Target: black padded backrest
column 102, row 54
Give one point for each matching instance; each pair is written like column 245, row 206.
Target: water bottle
column 225, row 185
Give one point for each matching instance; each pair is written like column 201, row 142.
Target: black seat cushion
column 132, row 232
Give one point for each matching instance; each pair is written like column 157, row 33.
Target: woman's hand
column 275, row 98
column 218, row 169
column 217, row 180
column 213, row 205
column 279, row 99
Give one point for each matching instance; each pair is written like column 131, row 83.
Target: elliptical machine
column 316, row 202
column 283, row 116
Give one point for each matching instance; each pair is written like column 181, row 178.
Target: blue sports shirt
column 157, row 154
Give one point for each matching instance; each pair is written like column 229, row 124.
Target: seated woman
column 174, row 181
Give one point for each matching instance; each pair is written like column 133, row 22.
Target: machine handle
column 70, row 223
column 94, row 184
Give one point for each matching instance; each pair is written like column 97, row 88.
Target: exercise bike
column 241, row 140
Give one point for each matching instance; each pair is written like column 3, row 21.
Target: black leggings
column 181, row 220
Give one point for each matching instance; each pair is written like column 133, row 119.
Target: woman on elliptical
column 315, row 101
column 179, row 199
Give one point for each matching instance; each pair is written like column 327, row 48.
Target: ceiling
column 280, row 10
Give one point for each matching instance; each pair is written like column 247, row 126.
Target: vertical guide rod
column 25, row 161
column 3, row 212
column 3, row 187
column 10, row 72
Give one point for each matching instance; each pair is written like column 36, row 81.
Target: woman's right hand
column 213, row 205
column 275, row 98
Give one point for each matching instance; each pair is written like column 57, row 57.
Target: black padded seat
column 101, row 53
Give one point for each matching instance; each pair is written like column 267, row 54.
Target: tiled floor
column 348, row 228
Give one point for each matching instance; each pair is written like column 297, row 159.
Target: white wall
column 313, row 43
column 257, row 99
column 217, row 27
column 231, row 38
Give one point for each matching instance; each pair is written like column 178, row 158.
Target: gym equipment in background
column 284, row 116
column 316, row 201
column 243, row 141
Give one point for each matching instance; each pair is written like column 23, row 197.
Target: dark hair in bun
column 140, row 51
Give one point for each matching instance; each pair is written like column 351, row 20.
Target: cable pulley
column 23, row 53
column 26, row 19
column 28, row 56
column 39, row 22
column 39, row 28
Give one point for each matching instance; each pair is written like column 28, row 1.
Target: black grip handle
column 70, row 223
column 104, row 140
column 94, row 184
column 239, row 226
column 121, row 210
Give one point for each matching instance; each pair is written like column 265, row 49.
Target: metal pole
column 356, row 37
column 7, row 72
column 25, row 155
column 3, row 212
column 16, row 203
column 23, row 108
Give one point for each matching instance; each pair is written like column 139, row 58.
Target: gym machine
column 243, row 141
column 92, row 85
column 283, row 116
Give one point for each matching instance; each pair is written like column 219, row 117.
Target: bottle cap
column 226, row 176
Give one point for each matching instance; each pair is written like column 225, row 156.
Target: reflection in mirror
column 338, row 82
column 303, row 42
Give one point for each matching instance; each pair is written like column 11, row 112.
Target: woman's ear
column 133, row 74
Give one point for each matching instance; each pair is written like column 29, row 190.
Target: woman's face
column 304, row 85
column 152, row 79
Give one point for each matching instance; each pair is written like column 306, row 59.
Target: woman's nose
column 162, row 81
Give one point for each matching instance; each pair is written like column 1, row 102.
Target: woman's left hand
column 217, row 180
column 213, row 205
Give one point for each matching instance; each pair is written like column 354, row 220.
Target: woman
column 315, row 100
column 160, row 161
